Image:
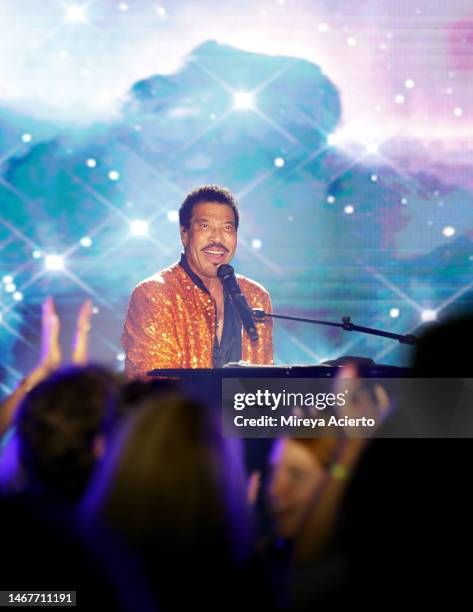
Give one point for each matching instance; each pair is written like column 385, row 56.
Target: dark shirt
column 229, row 348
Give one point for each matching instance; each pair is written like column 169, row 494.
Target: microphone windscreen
column 225, row 271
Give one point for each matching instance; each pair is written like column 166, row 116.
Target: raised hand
column 50, row 356
column 253, row 487
column 80, row 347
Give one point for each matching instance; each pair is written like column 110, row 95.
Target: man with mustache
column 182, row 317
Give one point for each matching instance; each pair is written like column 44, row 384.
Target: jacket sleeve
column 149, row 336
column 267, row 332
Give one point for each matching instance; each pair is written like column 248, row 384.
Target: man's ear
column 184, row 235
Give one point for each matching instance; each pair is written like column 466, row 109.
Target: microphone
column 226, row 275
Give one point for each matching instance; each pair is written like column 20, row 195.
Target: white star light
column 75, row 13
column 279, row 162
column 86, row 241
column 330, row 199
column 138, row 227
column 399, row 99
column 351, row 42
column 243, row 100
column 428, row 315
column 91, row 163
column 113, row 175
column 349, row 209
column 10, row 287
column 18, row 296
column 409, row 83
column 394, row 313
column 448, row 231
column 173, row 216
column 37, row 254
column 54, row 262
column 26, row 138
column 372, row 148
column 458, row 112
column 256, row 243
column 7, row 279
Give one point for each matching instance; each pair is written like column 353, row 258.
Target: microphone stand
column 346, row 324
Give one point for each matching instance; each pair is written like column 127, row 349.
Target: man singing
column 183, row 317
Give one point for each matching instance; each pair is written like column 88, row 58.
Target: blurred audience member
column 307, row 485
column 62, row 426
column 299, row 469
column 308, row 480
column 174, row 491
column 406, row 526
column 62, row 420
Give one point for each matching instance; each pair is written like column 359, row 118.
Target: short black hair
column 207, row 193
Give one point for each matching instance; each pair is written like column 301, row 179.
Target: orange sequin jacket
column 171, row 324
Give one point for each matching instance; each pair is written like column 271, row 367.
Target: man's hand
column 362, row 401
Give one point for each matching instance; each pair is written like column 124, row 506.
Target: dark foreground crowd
column 126, row 492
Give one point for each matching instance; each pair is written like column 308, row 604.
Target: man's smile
column 215, row 254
